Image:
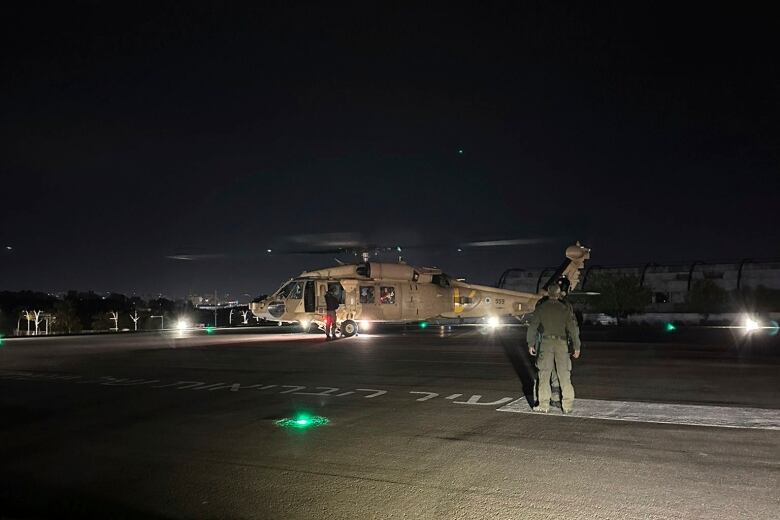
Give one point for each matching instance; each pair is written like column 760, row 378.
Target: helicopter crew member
column 331, row 306
column 555, row 321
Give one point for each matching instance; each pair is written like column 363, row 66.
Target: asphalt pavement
column 432, row 423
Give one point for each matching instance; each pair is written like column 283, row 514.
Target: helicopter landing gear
column 348, row 328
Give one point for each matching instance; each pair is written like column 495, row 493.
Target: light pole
column 162, row 321
column 216, row 308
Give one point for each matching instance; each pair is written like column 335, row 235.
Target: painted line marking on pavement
column 428, row 395
column 664, row 413
column 476, row 399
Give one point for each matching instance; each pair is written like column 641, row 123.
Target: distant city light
column 268, row 250
column 460, row 151
column 9, row 248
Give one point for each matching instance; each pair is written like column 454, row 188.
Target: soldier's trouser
column 330, row 324
column 554, row 383
column 554, row 355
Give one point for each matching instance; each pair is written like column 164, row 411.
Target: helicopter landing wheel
column 348, row 328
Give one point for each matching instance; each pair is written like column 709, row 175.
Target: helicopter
column 371, row 292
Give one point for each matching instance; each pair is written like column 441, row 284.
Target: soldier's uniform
column 555, row 386
column 555, row 322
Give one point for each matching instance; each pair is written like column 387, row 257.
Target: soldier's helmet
column 554, row 291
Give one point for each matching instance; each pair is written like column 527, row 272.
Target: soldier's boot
column 543, row 390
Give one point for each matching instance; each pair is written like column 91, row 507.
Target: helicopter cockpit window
column 366, row 294
column 387, row 295
column 284, row 290
column 442, row 280
column 296, row 291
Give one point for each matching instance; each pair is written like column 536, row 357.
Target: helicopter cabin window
column 296, row 292
column 308, row 297
column 366, row 294
column 337, row 289
column 387, row 295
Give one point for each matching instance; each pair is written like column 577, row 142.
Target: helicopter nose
column 276, row 309
column 260, row 309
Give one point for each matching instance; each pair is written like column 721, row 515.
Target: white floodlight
column 493, row 322
column 182, row 324
column 751, row 325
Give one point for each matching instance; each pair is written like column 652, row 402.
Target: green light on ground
column 423, row 324
column 210, row 330
column 670, row 327
column 302, row 422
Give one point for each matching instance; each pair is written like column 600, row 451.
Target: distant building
column 670, row 284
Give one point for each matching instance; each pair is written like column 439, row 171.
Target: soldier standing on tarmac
column 554, row 320
column 331, row 306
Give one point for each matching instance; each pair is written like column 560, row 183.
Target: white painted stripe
column 684, row 414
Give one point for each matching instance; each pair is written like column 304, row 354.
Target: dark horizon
column 647, row 132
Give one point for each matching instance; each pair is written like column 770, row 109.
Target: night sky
column 129, row 134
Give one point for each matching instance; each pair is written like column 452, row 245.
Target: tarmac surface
column 430, row 423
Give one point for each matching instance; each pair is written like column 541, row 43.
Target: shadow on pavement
column 21, row 497
column 516, row 351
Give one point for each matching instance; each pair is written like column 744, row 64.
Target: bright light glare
column 305, row 325
column 302, row 422
column 365, row 325
column 182, row 325
column 493, row 322
column 751, row 325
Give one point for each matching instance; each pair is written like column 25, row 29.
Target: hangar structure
column 670, row 283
